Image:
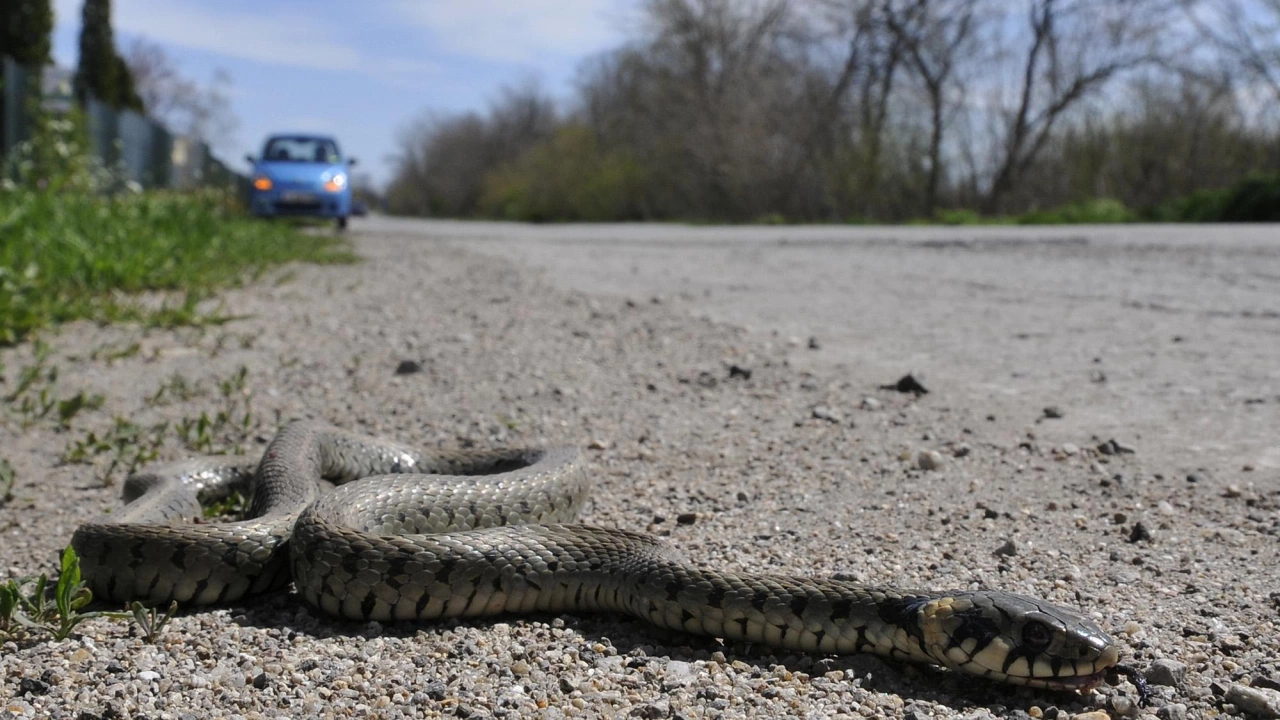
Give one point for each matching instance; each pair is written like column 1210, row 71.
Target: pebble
column 870, row 403
column 1166, row 672
column 1254, row 702
column 1092, row 715
column 149, row 675
column 929, row 459
column 822, row 412
column 1008, row 548
column 408, row 367
column 1172, row 711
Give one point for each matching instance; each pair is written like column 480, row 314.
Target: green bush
column 1098, row 211
column 1254, row 199
column 959, row 216
column 566, row 178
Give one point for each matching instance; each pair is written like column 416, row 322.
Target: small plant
column 7, row 478
column 111, row 353
column 129, row 445
column 231, row 507
column 67, row 409
column 26, row 608
column 150, row 619
column 177, row 387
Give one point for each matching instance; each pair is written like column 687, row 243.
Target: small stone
column 408, row 367
column 438, row 691
column 568, row 685
column 1270, row 683
column 1254, row 702
column 660, row 708
column 813, row 343
column 598, row 444
column 870, row 403
column 520, row 667
column 908, row 383
column 260, row 681
column 1070, row 448
column 686, row 518
column 1009, row 548
column 929, row 459
column 1232, row 491
column 1122, row 706
column 32, row 686
column 1195, row 478
column 737, row 371
column 1053, row 412
column 81, row 654
column 115, row 667
column 822, row 412
column 961, row 450
column 1035, row 711
column 149, row 675
column 1139, row 533
column 1172, row 711
column 1092, row 715
column 1166, row 672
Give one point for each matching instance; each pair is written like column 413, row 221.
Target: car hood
column 298, row 171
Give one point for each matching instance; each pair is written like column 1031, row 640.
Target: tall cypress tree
column 102, row 73
column 25, row 29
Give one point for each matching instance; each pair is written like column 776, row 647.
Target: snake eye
column 1036, row 636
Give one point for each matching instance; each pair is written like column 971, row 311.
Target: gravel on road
column 729, row 440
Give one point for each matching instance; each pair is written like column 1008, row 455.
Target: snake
column 371, row 530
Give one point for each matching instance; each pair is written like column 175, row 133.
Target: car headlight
column 262, row 182
column 336, row 183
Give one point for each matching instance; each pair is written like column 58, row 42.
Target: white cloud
column 517, row 30
column 265, row 36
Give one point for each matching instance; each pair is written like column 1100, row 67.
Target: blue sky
column 362, row 70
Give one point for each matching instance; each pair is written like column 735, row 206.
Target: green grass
column 68, row 256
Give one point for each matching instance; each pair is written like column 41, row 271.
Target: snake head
column 1016, row 639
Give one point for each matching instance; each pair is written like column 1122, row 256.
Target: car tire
column 341, row 223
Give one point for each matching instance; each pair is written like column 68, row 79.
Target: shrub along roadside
column 72, row 255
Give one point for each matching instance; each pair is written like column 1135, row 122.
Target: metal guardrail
column 145, row 151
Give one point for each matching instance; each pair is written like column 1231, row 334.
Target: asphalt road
column 1164, row 337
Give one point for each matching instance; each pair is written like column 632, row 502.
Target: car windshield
column 300, row 149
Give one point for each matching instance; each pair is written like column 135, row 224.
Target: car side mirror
column 351, row 161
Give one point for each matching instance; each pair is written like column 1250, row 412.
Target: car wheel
column 341, row 223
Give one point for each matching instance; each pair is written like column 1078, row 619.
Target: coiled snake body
column 448, row 535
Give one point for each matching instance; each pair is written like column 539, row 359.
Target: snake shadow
column 641, row 643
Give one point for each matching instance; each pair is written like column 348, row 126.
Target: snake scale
column 439, row 535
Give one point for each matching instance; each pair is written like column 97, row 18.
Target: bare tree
column 443, row 160
column 1248, row 31
column 934, row 34
column 1074, row 48
column 184, row 105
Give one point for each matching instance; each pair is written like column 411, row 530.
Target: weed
column 7, row 478
column 231, row 507
column 67, row 409
column 150, row 619
column 26, row 607
column 129, row 445
column 111, row 353
column 75, row 254
column 177, row 388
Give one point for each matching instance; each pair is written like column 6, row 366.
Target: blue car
column 301, row 175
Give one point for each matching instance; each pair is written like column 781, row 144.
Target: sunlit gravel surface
column 730, row 442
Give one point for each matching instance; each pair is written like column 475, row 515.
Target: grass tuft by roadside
column 69, row 256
